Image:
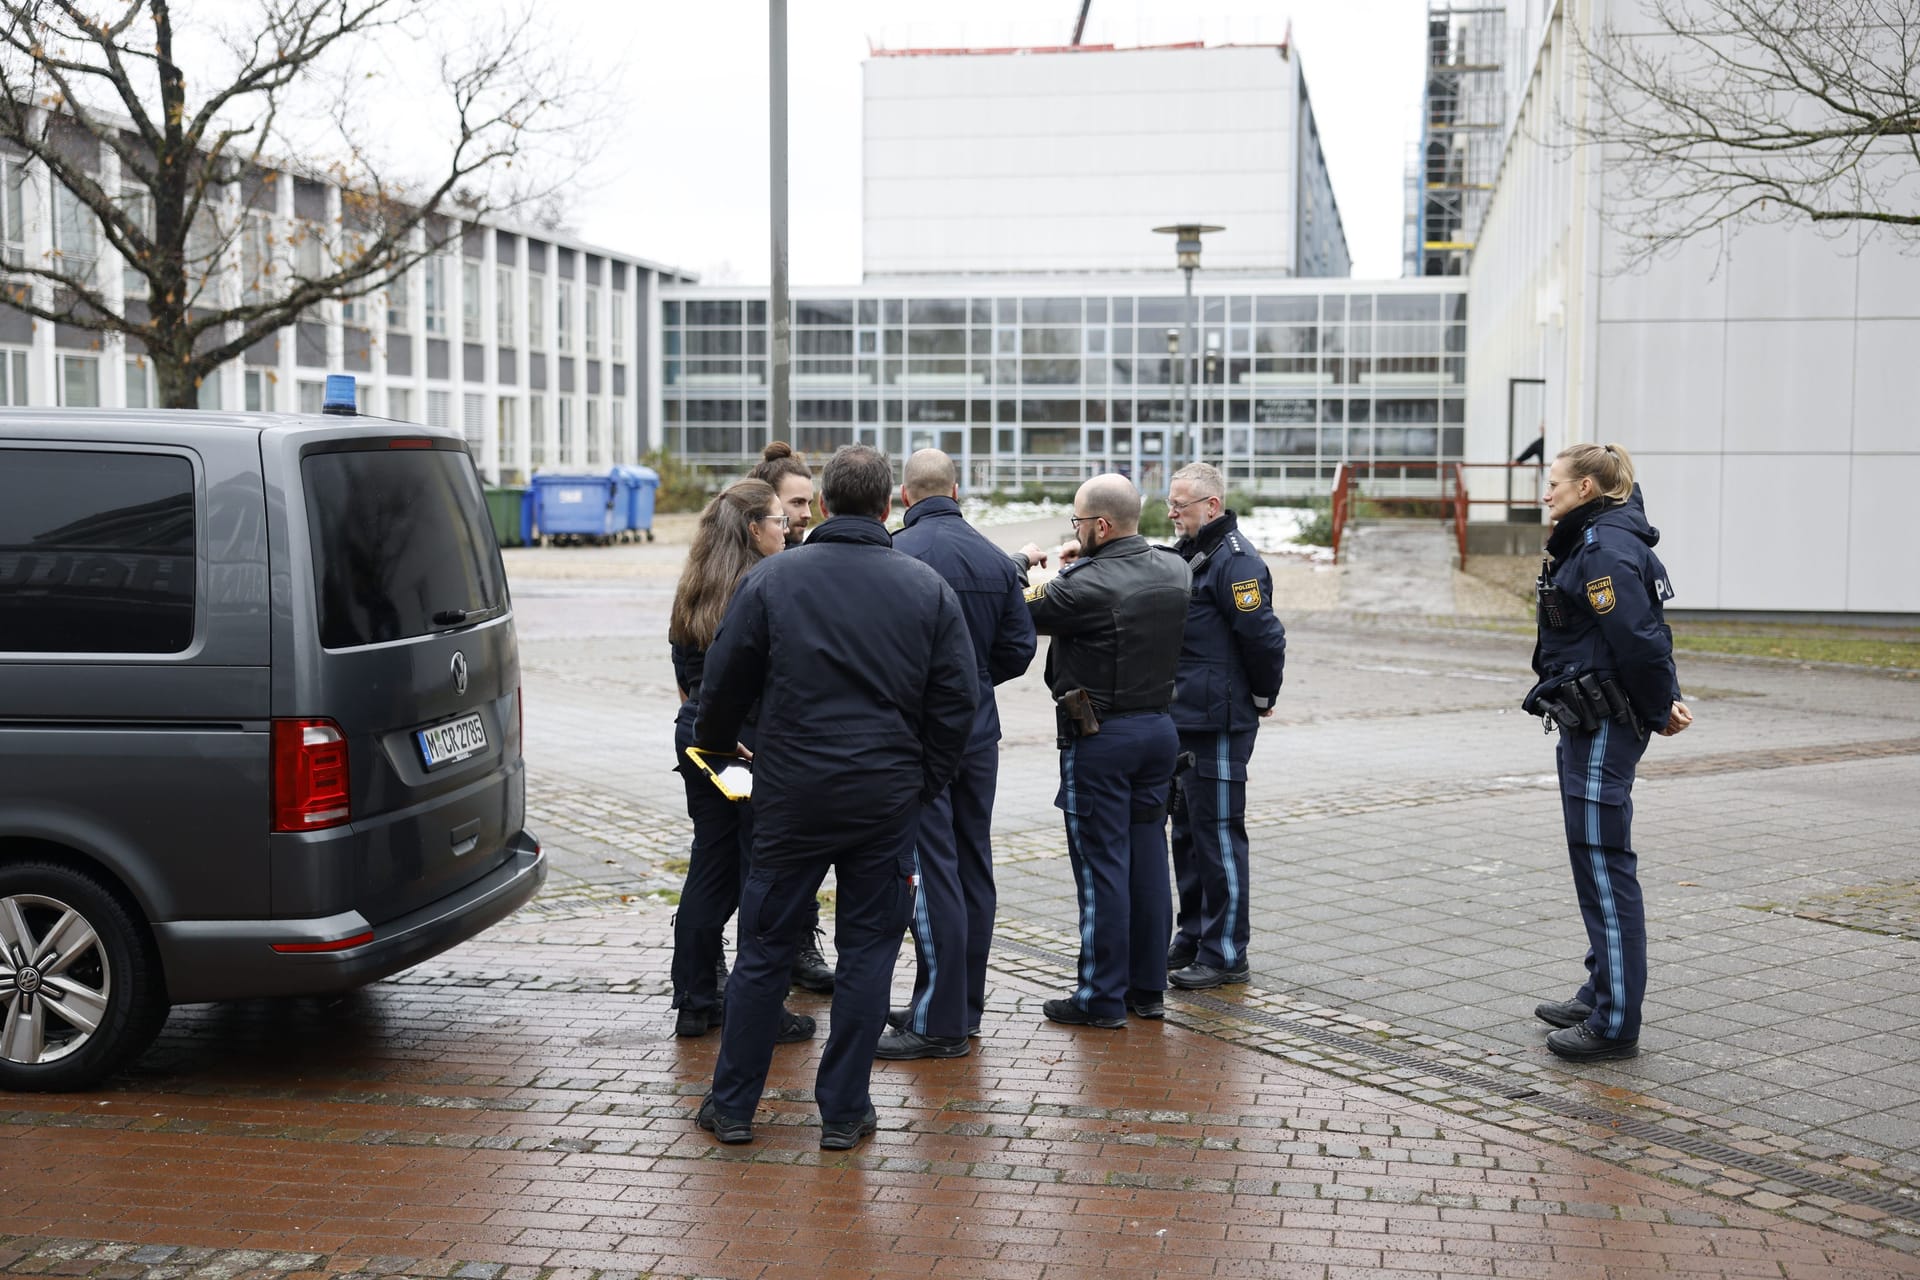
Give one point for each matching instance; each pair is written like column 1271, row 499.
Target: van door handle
column 465, row 838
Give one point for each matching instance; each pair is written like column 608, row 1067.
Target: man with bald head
column 1116, row 616
column 953, row 912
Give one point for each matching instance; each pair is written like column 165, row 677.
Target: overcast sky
column 685, row 181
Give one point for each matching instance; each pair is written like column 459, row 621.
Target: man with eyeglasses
column 1231, row 663
column 1115, row 615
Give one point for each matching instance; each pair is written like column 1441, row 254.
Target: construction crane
column 1080, row 27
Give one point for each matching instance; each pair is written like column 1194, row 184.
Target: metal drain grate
column 1502, row 1086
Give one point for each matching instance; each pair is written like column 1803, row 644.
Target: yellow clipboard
column 726, row 771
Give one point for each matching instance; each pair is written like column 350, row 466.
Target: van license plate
column 454, row 740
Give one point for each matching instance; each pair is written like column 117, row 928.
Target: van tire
column 117, row 959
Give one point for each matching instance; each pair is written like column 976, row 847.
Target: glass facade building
column 1053, row 381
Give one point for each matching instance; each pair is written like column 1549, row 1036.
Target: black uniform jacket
column 1116, row 616
column 989, row 590
column 1235, row 650
column 1612, row 590
column 859, row 659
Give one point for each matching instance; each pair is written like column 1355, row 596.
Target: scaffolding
column 1461, row 126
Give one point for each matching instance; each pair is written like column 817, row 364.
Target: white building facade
column 1023, row 162
column 536, row 346
column 1763, row 377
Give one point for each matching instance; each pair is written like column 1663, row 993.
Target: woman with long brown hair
column 738, row 529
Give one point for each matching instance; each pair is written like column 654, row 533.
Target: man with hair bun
column 1115, row 615
column 1231, row 664
column 953, row 912
column 1606, row 680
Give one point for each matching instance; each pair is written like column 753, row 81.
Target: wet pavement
column 1377, row 1102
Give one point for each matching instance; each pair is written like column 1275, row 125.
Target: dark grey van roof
column 161, row 425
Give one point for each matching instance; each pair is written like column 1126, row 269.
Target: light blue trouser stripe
column 1228, row 857
column 1084, row 993
column 923, row 932
column 1603, row 886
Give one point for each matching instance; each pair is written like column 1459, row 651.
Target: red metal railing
column 1451, row 492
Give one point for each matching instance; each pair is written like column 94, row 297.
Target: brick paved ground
column 1378, row 1103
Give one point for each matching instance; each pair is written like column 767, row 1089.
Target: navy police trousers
column 953, row 912
column 870, row 914
column 1210, row 846
column 716, row 863
column 1113, row 789
column 1596, row 796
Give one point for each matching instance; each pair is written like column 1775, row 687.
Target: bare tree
column 1719, row 112
column 177, row 173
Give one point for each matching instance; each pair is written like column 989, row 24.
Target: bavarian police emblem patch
column 1246, row 595
column 1600, row 595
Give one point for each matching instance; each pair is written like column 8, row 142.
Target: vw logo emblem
column 459, row 672
column 27, row 981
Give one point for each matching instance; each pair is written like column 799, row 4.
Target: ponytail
column 1609, row 466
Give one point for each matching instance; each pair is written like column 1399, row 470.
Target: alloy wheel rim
column 55, row 979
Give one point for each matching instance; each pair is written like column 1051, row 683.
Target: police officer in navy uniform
column 1115, row 615
column 1606, row 680
column 1231, row 664
column 953, row 911
column 859, row 658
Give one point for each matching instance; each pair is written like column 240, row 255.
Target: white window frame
column 312, row 396
column 433, row 288
column 563, row 317
column 76, row 235
column 565, row 443
column 506, row 305
column 138, row 371
column 257, row 390
column 592, row 325
column 470, row 313
column 400, row 404
column 66, row 361
column 536, row 312
column 13, row 211
column 399, row 298
column 536, row 431
column 138, row 202
column 617, row 328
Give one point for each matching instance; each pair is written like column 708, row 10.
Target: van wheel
column 80, row 985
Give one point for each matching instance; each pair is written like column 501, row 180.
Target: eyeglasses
column 1179, row 508
column 1076, row 521
column 784, row 522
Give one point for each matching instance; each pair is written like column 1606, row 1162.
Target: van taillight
column 309, row 775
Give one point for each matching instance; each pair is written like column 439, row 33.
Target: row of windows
column 1275, row 339
column 1302, row 409
column 1334, row 444
column 1235, row 373
column 1238, row 309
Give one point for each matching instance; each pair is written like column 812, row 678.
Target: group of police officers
column 869, row 663
column 869, row 660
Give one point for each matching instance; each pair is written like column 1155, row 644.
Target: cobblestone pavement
column 1377, row 1102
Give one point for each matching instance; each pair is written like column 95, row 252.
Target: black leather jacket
column 1116, row 616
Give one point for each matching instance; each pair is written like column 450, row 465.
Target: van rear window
column 399, row 536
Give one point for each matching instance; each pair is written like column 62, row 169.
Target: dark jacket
column 1116, row 615
column 859, row 659
column 990, row 594
column 688, row 665
column 1235, row 650
column 1612, row 590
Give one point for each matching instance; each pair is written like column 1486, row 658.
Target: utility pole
column 779, row 311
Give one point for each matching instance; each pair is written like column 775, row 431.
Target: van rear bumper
column 235, row 959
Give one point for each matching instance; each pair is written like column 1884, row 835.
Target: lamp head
column 1186, row 244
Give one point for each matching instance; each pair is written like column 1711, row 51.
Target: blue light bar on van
column 340, row 396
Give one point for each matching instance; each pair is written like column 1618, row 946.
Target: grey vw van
column 259, row 719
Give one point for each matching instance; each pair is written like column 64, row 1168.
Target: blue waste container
column 579, row 508
column 638, row 486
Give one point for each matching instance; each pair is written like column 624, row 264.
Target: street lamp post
column 1209, row 375
column 1186, row 247
column 1174, row 448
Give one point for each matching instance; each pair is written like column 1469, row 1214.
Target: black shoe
column 720, row 970
column 1146, row 1004
column 1182, row 953
column 845, row 1135
column 811, row 972
column 899, row 1018
column 729, row 1129
column 695, row 1022
column 900, row 1045
column 793, row 1027
column 1581, row 1044
column 1074, row 1016
column 1562, row 1013
column 1198, row 977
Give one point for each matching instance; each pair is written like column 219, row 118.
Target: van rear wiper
column 454, row 617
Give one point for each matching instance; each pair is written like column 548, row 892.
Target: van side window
column 96, row 552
